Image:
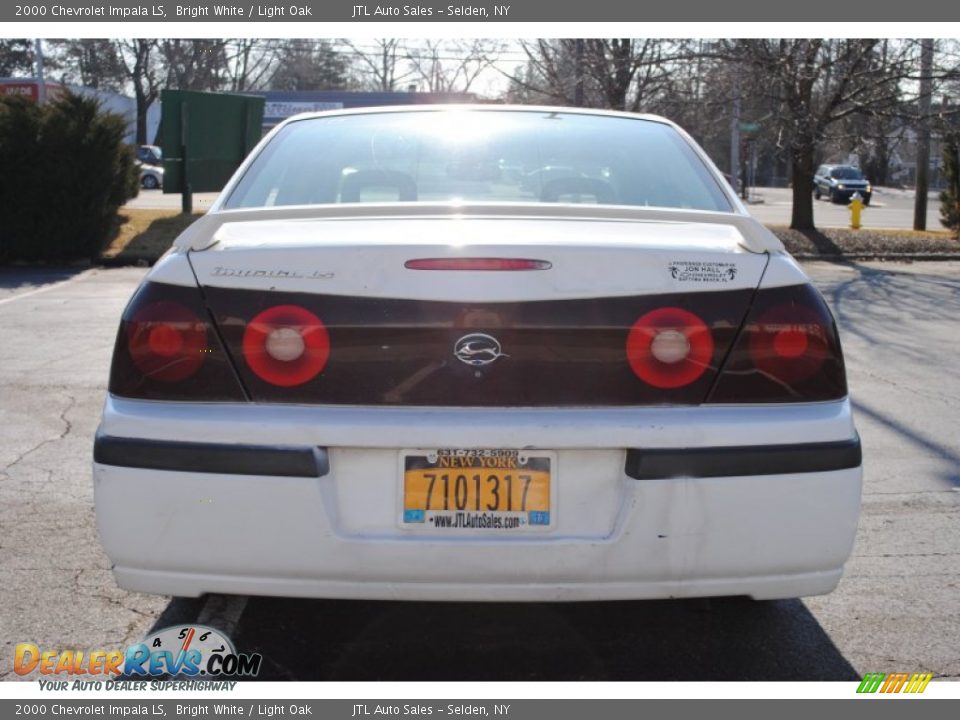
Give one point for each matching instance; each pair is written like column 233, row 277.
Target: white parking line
column 45, row 288
column 223, row 612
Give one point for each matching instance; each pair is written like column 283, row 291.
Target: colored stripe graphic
column 918, row 682
column 871, row 682
column 894, row 682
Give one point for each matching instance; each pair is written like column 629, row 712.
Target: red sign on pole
column 26, row 89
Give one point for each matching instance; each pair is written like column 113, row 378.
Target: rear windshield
column 478, row 156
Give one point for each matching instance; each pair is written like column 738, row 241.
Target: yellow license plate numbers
column 476, row 490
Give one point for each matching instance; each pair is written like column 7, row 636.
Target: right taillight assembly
column 787, row 351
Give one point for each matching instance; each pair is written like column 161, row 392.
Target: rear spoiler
column 202, row 234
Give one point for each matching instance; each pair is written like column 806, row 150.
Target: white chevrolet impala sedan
column 477, row 353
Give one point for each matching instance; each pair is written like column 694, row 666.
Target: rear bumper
column 314, row 462
column 331, row 531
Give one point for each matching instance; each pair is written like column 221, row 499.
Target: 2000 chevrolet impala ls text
column 477, row 353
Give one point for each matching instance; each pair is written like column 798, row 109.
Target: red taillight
column 476, row 264
column 286, row 345
column 789, row 343
column 168, row 349
column 167, row 341
column 787, row 351
column 669, row 347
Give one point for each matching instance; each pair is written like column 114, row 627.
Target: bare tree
column 141, row 63
column 617, row 73
column 452, row 65
column 91, row 62
column 195, row 64
column 817, row 83
column 626, row 71
column 382, row 65
column 251, row 63
column 551, row 73
column 309, row 65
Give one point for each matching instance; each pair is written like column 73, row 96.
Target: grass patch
column 867, row 242
column 142, row 236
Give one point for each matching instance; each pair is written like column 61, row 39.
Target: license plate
column 462, row 490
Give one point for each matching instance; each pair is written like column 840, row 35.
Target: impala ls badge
column 477, row 349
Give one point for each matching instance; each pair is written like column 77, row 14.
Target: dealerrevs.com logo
column 184, row 650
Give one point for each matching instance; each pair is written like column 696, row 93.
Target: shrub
column 949, row 212
column 64, row 172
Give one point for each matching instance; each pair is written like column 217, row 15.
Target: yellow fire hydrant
column 856, row 207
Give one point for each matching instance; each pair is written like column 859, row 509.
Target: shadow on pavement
column 899, row 315
column 24, row 279
column 933, row 448
column 880, row 306
column 718, row 639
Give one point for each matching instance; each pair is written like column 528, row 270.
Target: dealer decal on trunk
column 702, row 271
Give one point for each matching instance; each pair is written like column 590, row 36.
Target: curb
column 117, row 262
column 879, row 256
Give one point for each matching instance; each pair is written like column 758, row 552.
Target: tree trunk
column 923, row 137
column 802, row 179
column 141, row 120
column 143, row 105
column 881, row 163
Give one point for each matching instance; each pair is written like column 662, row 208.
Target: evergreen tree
column 16, row 57
column 310, row 65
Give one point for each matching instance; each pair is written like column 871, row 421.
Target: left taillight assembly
column 167, row 341
column 168, row 349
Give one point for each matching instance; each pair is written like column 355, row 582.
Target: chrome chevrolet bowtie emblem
column 477, row 349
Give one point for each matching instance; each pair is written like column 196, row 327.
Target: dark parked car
column 840, row 182
column 150, row 155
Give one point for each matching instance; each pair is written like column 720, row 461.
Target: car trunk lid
column 556, row 335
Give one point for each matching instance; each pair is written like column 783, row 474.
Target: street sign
column 749, row 127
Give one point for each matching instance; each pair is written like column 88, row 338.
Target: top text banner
column 360, row 11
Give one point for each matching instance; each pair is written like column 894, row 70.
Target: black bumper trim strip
column 276, row 460
column 743, row 460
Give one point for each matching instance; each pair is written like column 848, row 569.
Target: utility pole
column 41, row 83
column 923, row 136
column 735, row 132
column 578, row 71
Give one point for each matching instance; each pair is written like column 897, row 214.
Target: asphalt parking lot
column 889, row 208
column 897, row 608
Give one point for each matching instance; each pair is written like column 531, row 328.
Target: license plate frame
column 491, row 523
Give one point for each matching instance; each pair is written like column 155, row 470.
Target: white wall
column 126, row 106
